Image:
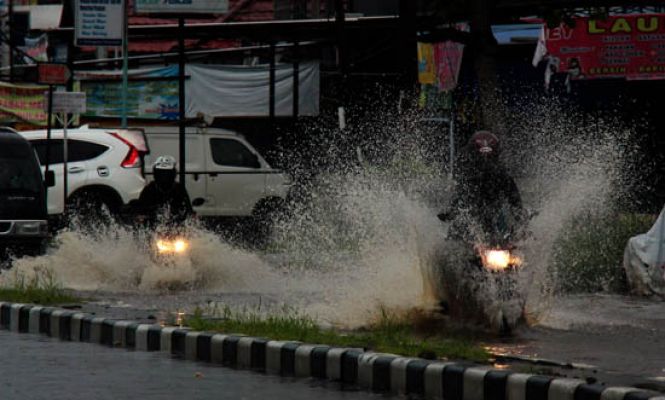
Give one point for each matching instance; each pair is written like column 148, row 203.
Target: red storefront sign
column 627, row 46
column 53, row 74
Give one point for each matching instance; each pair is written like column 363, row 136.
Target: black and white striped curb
column 374, row 371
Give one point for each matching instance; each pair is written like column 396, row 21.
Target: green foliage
column 588, row 256
column 41, row 288
column 390, row 334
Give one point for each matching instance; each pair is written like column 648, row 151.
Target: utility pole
column 407, row 18
column 181, row 97
column 125, row 64
column 271, row 85
column 341, row 36
column 10, row 36
column 316, row 9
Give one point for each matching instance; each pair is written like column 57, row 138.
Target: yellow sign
column 22, row 103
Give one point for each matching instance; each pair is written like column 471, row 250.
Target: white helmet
column 165, row 162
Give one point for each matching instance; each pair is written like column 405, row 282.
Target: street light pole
column 125, row 63
column 10, row 34
column 181, row 97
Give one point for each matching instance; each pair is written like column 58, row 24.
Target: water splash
column 363, row 234
column 116, row 258
column 368, row 244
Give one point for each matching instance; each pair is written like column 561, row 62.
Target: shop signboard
column 66, row 102
column 152, row 93
column 620, row 46
column 99, row 22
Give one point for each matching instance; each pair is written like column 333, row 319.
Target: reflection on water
column 43, row 368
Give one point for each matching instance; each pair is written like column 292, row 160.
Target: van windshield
column 18, row 169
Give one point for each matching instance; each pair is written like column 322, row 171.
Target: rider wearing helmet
column 484, row 190
column 164, row 198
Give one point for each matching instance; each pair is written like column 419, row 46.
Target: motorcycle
column 479, row 279
column 169, row 246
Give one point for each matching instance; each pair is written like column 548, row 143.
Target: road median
column 379, row 372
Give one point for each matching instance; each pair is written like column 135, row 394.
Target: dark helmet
column 484, row 144
column 164, row 171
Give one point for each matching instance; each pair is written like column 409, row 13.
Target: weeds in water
column 390, row 333
column 40, row 288
column 589, row 256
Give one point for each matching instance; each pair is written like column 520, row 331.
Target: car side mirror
column 49, row 179
column 199, row 201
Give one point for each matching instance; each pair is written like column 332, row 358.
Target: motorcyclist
column 164, row 200
column 486, row 198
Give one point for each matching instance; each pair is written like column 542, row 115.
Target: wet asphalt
column 36, row 367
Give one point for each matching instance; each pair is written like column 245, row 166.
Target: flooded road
column 623, row 337
column 37, row 367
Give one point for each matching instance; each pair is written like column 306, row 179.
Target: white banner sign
column 66, row 102
column 99, row 22
column 182, row 6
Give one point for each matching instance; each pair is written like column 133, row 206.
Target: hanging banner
column 152, row 93
column 37, row 48
column 439, row 64
column 622, row 46
column 22, row 103
column 182, row 6
column 448, row 60
column 426, row 66
column 99, row 22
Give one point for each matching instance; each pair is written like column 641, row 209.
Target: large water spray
column 363, row 234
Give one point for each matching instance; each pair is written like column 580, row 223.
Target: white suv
column 105, row 166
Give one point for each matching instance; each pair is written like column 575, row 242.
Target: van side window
column 232, row 153
column 78, row 150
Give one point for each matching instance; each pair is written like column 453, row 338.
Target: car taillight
column 133, row 157
column 132, row 160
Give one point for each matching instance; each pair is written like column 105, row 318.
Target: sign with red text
column 623, row 46
column 53, row 74
column 22, row 103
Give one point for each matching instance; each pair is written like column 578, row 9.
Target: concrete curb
column 374, row 371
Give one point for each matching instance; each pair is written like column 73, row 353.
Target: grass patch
column 389, row 334
column 588, row 257
column 41, row 288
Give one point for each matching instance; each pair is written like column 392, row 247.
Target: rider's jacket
column 165, row 204
column 486, row 203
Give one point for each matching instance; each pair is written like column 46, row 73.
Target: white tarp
column 42, row 17
column 644, row 260
column 242, row 91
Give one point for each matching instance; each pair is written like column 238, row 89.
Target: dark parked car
column 23, row 217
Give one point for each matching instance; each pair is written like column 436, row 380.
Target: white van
column 223, row 169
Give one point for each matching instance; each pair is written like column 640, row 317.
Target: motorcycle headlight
column 496, row 260
column 171, row 246
column 180, row 246
column 164, row 246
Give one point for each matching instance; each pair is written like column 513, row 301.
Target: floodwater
column 622, row 337
column 36, row 368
